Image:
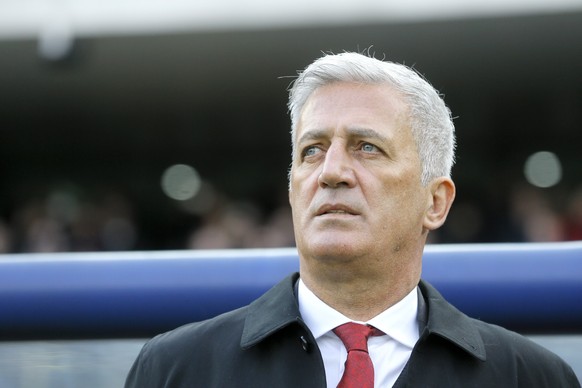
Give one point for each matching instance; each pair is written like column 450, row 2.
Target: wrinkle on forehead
column 352, row 112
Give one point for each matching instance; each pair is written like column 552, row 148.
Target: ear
column 442, row 194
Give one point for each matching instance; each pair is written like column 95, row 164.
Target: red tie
column 359, row 371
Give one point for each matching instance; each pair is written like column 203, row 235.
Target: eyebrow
column 367, row 133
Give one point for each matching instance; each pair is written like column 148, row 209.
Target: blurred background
column 153, row 125
column 150, row 125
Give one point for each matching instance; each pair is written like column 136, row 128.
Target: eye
column 367, row 147
column 310, row 151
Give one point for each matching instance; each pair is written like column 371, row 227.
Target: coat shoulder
column 527, row 359
column 460, row 349
column 185, row 350
column 223, row 329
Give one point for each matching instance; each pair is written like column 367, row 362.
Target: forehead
column 343, row 104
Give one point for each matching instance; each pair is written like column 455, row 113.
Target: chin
column 335, row 249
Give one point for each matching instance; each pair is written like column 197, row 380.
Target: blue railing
column 525, row 287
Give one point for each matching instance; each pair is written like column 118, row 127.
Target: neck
column 356, row 291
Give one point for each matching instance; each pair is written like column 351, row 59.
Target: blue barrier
column 525, row 287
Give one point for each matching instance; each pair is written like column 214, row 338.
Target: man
column 373, row 147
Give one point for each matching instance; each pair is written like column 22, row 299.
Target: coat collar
column 274, row 310
column 444, row 320
column 279, row 308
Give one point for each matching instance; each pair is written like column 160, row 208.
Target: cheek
column 398, row 197
column 299, row 201
column 303, row 185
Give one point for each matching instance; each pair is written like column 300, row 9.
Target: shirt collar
column 399, row 321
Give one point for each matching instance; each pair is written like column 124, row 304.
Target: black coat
column 267, row 344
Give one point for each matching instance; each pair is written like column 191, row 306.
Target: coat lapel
column 448, row 322
column 274, row 310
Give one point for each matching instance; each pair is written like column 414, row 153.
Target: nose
column 337, row 169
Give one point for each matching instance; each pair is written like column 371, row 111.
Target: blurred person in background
column 533, row 214
column 5, row 238
column 573, row 223
column 373, row 147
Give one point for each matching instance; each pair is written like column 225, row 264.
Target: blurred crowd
column 63, row 221
column 526, row 214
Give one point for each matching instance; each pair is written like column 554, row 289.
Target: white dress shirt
column 389, row 353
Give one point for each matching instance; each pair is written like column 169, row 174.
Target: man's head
column 372, row 152
column 430, row 119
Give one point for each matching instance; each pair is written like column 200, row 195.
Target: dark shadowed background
column 91, row 117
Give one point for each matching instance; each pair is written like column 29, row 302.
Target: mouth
column 336, row 209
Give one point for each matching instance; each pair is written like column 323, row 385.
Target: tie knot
column 355, row 336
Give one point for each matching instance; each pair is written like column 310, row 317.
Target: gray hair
column 430, row 119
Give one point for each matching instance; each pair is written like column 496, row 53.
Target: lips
column 336, row 209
